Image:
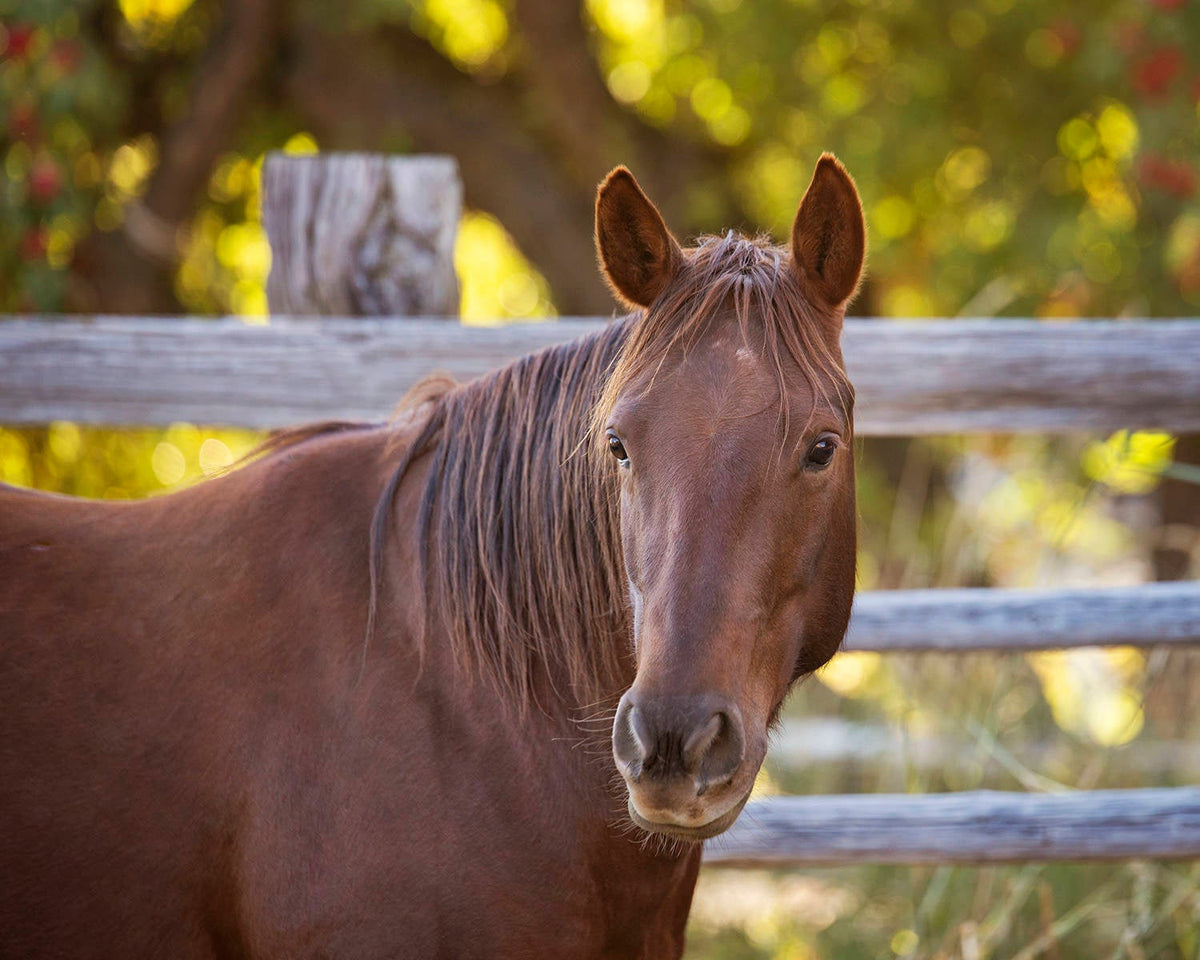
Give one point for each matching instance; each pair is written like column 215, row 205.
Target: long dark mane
column 518, row 530
column 518, row 523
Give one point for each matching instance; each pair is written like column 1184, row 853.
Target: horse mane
column 518, row 526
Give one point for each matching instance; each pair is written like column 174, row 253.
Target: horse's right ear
column 637, row 253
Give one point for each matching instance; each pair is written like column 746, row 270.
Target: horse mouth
column 695, row 834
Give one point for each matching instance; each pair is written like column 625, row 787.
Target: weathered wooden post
column 356, row 234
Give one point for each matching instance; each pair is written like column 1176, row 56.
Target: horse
column 475, row 682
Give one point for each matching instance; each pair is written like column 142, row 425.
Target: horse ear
column 829, row 236
column 637, row 253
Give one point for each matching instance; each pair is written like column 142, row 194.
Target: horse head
column 729, row 422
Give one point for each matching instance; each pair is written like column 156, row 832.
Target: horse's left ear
column 637, row 252
column 829, row 237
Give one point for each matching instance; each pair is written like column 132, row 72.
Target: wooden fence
column 931, row 377
column 911, row 378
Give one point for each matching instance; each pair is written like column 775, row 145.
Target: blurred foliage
column 1040, row 910
column 69, row 170
column 60, row 106
column 1014, row 157
column 1130, row 462
column 118, row 464
column 497, row 282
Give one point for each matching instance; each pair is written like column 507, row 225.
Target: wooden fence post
column 356, row 234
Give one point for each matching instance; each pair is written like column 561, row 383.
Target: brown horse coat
column 190, row 768
column 206, row 750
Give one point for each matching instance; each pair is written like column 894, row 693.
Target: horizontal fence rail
column 965, row 620
column 963, row 828
column 946, row 376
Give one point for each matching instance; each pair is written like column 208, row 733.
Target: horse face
column 736, row 501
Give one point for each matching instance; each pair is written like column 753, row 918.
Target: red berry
column 20, row 36
column 33, row 243
column 66, row 56
column 1175, row 177
column 1182, row 183
column 1067, row 34
column 1154, row 75
column 45, row 181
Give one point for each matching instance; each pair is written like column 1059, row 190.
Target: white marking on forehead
column 744, row 355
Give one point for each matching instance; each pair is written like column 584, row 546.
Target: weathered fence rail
column 959, row 621
column 971, row 827
column 947, row 376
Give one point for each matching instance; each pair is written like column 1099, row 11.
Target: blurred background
column 1015, row 158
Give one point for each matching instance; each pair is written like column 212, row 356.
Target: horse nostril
column 701, row 740
column 631, row 740
column 662, row 740
column 715, row 750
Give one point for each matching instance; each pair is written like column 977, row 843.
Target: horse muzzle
column 683, row 761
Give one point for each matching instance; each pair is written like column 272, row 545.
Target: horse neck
column 519, row 532
column 519, row 541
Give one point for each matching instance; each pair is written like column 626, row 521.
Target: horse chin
column 694, row 834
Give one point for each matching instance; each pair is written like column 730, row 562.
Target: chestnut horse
column 354, row 699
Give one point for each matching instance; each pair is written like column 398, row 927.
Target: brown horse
column 353, row 699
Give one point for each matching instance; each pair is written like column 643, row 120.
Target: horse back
column 151, row 653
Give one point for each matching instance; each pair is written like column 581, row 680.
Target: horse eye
column 821, row 452
column 617, row 448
